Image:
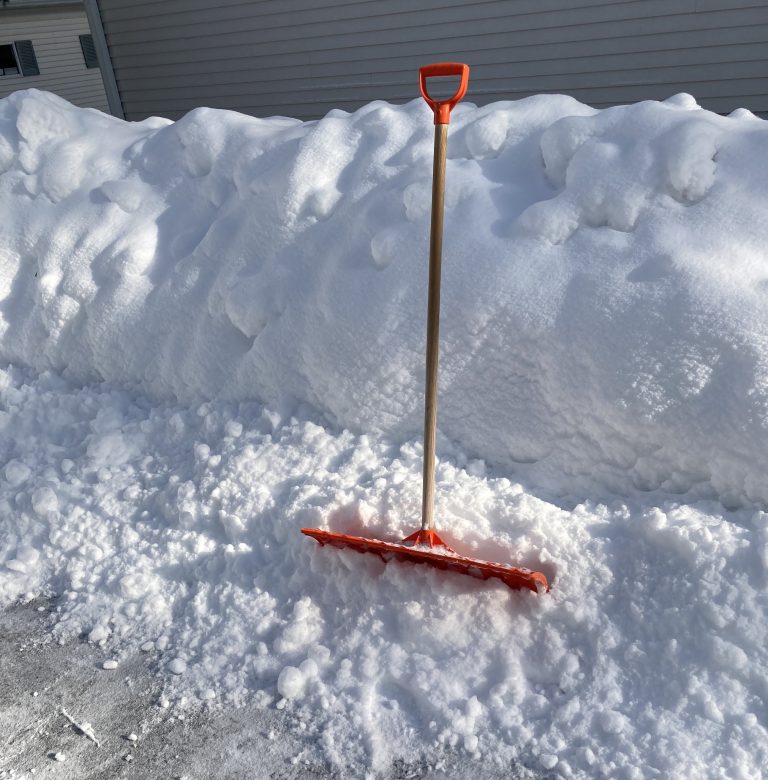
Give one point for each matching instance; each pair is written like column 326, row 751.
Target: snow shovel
column 425, row 546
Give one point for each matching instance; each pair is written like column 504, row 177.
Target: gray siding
column 54, row 33
column 303, row 57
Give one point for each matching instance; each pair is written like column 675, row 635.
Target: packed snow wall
column 605, row 281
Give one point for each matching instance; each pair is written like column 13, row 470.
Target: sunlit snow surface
column 605, row 324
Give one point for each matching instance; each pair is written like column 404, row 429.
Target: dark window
column 25, row 53
column 8, row 64
column 89, row 51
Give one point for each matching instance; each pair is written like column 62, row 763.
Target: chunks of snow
column 355, row 640
column 306, row 626
column 233, row 428
column 309, row 668
column 25, row 561
column 548, row 760
column 612, row 722
column 44, row 500
column 290, row 682
column 16, row 472
column 99, row 633
column 727, row 655
column 177, row 666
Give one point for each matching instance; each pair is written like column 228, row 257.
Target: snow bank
column 604, row 312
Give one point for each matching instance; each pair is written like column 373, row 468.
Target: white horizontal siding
column 54, row 33
column 303, row 57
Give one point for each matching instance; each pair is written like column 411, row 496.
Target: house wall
column 54, row 34
column 302, row 57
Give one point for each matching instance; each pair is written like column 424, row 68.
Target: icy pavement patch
column 175, row 530
column 55, row 700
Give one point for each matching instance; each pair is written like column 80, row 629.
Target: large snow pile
column 604, row 308
column 253, row 291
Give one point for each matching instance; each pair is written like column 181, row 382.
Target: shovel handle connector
column 442, row 108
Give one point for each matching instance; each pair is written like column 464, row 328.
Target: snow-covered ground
column 213, row 333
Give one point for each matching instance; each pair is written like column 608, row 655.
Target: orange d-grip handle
column 443, row 108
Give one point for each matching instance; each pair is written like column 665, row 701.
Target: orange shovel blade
column 427, row 547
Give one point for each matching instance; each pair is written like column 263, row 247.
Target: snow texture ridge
column 604, row 275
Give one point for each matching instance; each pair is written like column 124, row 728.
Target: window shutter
column 89, row 51
column 27, row 60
